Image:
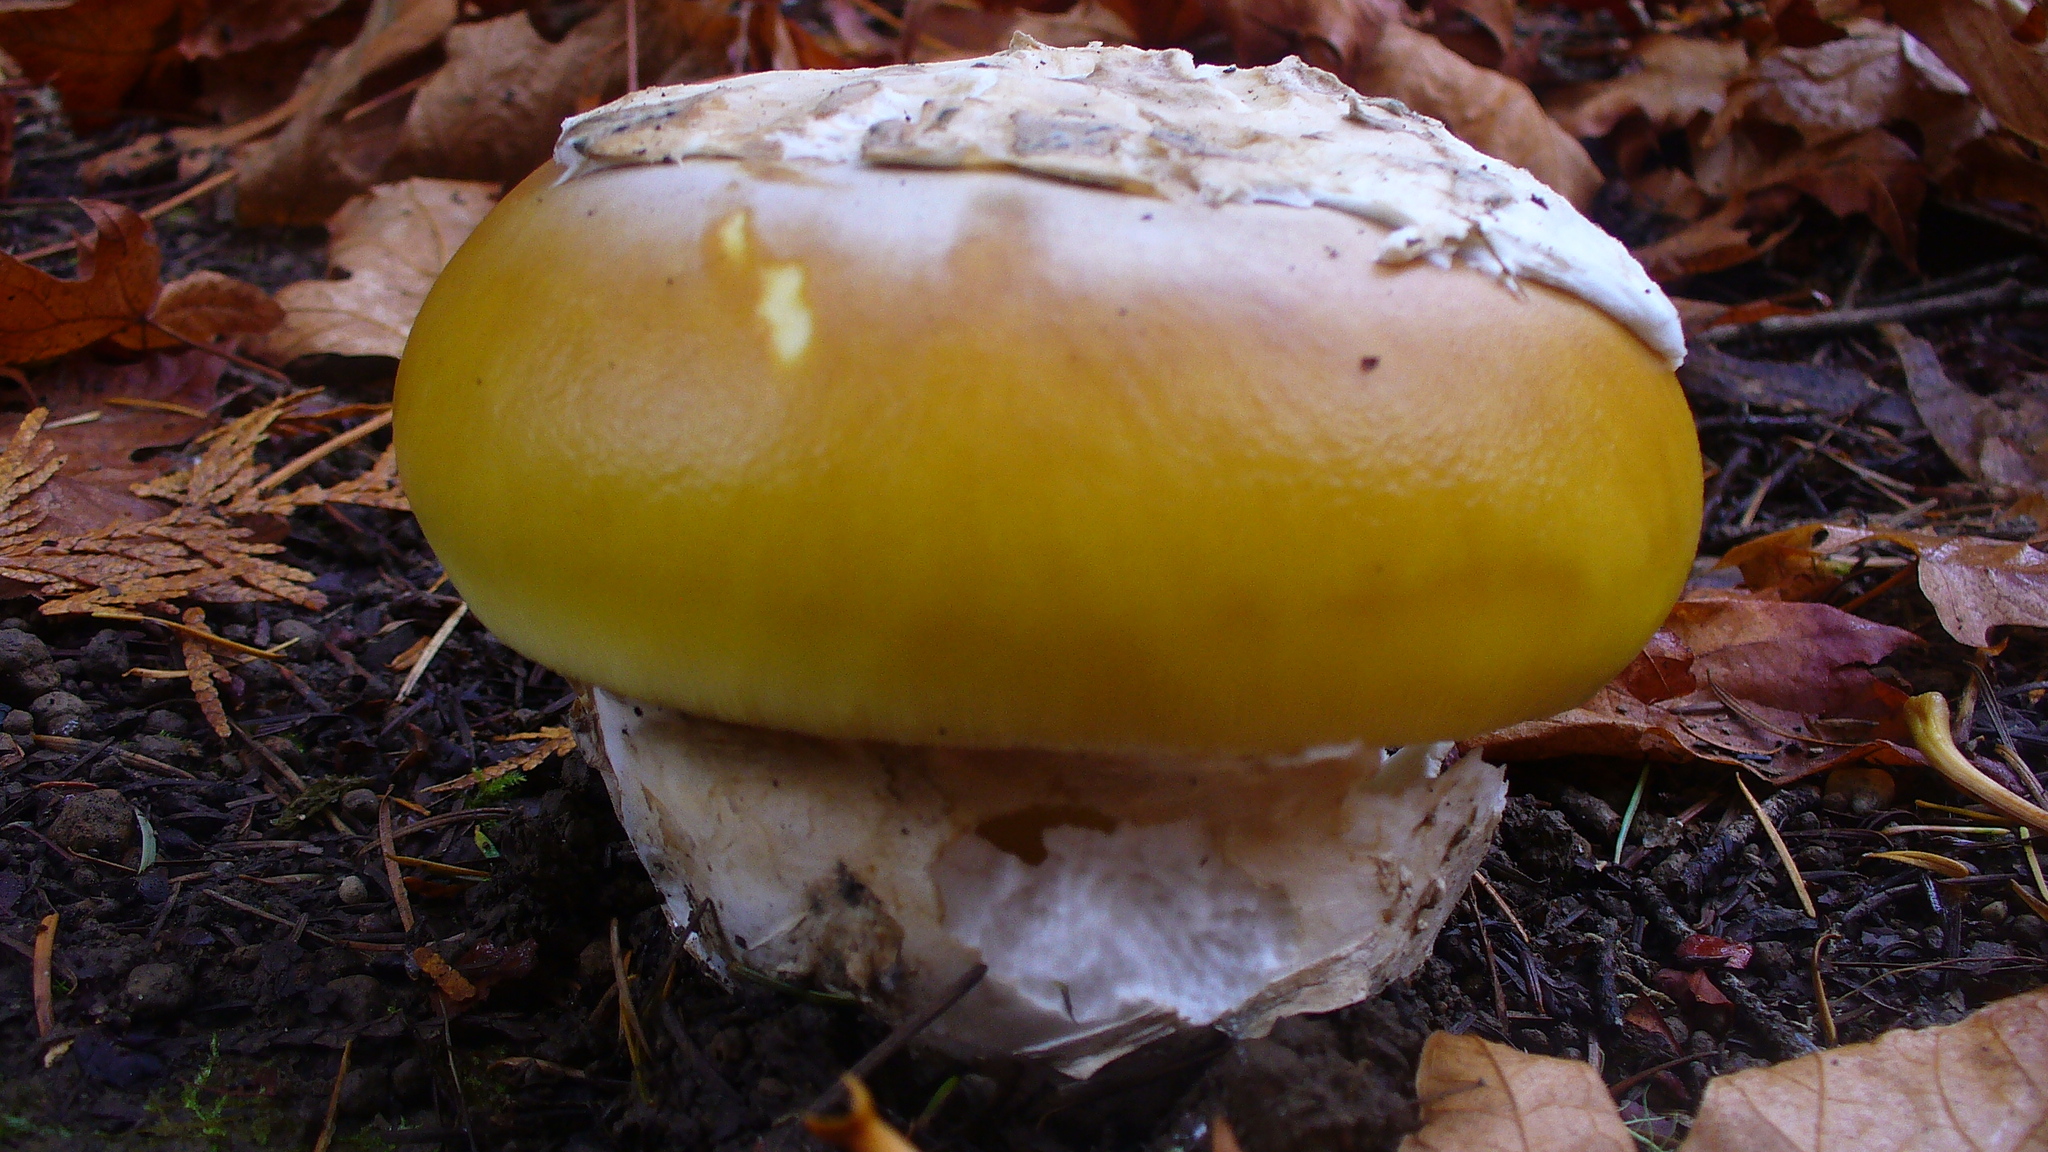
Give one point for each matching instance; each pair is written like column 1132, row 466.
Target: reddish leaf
column 91, row 51
column 42, row 317
column 1809, row 659
column 1715, row 950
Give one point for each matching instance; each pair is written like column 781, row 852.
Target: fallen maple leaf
column 393, row 241
column 1975, row 1085
column 1478, row 1096
column 1337, row 36
column 91, row 51
column 202, row 308
column 2000, row 441
column 42, row 317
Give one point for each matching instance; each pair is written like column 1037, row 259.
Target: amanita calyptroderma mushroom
column 1006, row 507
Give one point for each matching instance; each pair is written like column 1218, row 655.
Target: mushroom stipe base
column 1115, row 899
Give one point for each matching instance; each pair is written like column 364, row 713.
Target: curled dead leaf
column 393, row 241
column 1476, row 1095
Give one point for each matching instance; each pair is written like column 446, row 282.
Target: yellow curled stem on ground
column 981, row 457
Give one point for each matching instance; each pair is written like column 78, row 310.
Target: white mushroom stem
column 1115, row 899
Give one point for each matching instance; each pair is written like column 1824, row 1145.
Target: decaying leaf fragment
column 1477, row 1095
column 393, row 241
column 1975, row 1085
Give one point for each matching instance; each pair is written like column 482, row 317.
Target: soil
column 210, row 1001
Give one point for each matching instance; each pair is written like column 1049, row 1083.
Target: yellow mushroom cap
column 981, row 453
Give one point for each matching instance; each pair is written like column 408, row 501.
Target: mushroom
column 1053, row 510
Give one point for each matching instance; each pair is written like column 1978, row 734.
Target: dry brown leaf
column 953, row 29
column 1975, row 584
column 200, row 309
column 91, row 51
column 1681, row 78
column 1721, row 240
column 1873, row 174
column 1732, row 679
column 493, row 110
column 1811, row 659
column 1338, row 36
column 2000, row 441
column 2007, row 74
column 393, row 242
column 42, row 317
column 323, row 155
column 1478, row 1096
column 231, row 27
column 1794, row 387
column 1975, row 1085
column 1833, row 91
column 1494, row 113
column 2001, row 167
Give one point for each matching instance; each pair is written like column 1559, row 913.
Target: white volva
column 1114, row 899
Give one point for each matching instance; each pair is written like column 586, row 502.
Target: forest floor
column 211, row 1000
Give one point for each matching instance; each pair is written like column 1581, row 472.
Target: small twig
column 334, row 1099
column 903, row 1034
column 39, row 976
column 239, row 361
column 313, row 456
column 1707, row 862
column 1784, row 853
column 1789, row 1041
column 391, row 873
column 150, row 213
column 629, row 1016
column 1620, row 1087
column 2008, row 296
column 1500, row 996
column 433, row 649
column 204, row 635
column 1514, row 921
column 632, row 46
column 273, row 917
